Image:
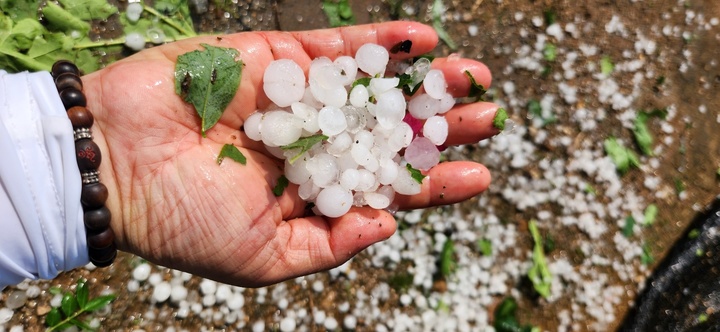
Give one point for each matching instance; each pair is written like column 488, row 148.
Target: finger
column 454, row 69
column 307, row 245
column 471, row 123
column 448, row 183
column 346, row 40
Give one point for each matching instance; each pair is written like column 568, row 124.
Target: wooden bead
column 64, row 66
column 72, row 97
column 68, row 80
column 103, row 257
column 102, row 239
column 93, row 196
column 98, row 219
column 87, row 154
column 80, row 117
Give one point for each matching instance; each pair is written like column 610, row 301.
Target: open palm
column 174, row 205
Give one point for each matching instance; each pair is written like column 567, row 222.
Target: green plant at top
column 75, row 305
column 27, row 44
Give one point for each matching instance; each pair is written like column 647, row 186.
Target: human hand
column 173, row 205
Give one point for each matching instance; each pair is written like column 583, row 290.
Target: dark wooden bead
column 88, row 155
column 64, row 66
column 93, row 195
column 104, row 256
column 72, row 97
column 97, row 220
column 102, row 239
column 80, row 117
column 68, row 80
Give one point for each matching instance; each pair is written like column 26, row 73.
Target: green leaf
column 447, row 259
column 535, row 109
column 25, row 31
column 694, row 233
column 55, row 290
column 63, row 20
column 679, row 186
column 89, row 9
column 641, row 132
column 646, row 258
column 550, row 52
column 282, row 183
column 650, row 214
column 69, row 304
column 627, row 230
column 339, row 12
column 409, row 84
column 606, row 65
column 84, row 326
column 53, row 317
column 99, row 302
column 485, row 247
column 505, row 320
column 304, row 144
column 438, row 10
column 232, row 152
column 415, row 173
column 499, row 119
column 550, row 17
column 208, row 79
column 620, row 155
column 362, row 81
column 539, row 273
column 82, row 293
column 476, row 90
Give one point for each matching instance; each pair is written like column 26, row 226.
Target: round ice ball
column 349, row 68
column 331, row 120
column 390, row 109
column 135, row 41
column 404, row 184
column 280, row 128
column 422, row 154
column 372, row 59
column 423, row 106
column 251, row 126
column 297, row 172
column 334, row 201
column 359, row 96
column 284, row 82
column 436, row 129
column 434, row 84
column 308, row 114
column 133, row 11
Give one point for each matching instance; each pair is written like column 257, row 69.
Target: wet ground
column 665, row 56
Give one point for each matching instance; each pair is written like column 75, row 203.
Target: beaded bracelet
column 100, row 237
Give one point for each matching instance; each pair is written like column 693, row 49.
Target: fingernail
column 499, row 119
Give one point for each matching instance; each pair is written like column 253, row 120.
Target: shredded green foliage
column 702, row 318
column 232, row 152
column 694, row 233
column 627, row 230
column 26, row 44
column 590, row 189
column 506, row 320
column 406, row 84
column 650, row 214
column 477, row 90
column 679, row 186
column 304, row 144
column 447, row 259
column 415, row 173
column 606, row 65
column 438, row 10
column 282, row 183
column 539, row 273
column 646, row 258
column 550, row 52
column 499, row 119
column 550, row 16
column 642, row 134
column 485, row 247
column 338, row 12
column 535, row 109
column 699, row 252
column 623, row 157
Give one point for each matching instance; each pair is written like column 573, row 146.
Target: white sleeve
column 41, row 218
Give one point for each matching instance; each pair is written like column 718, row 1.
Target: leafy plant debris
column 232, row 152
column 304, row 144
column 214, row 77
column 539, row 273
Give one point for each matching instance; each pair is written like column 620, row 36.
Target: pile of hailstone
column 365, row 126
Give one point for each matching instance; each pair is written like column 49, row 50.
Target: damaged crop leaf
column 304, row 144
column 539, row 273
column 232, row 152
column 476, row 90
column 282, row 183
column 208, row 79
column 642, row 134
column 415, row 173
column 623, row 157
